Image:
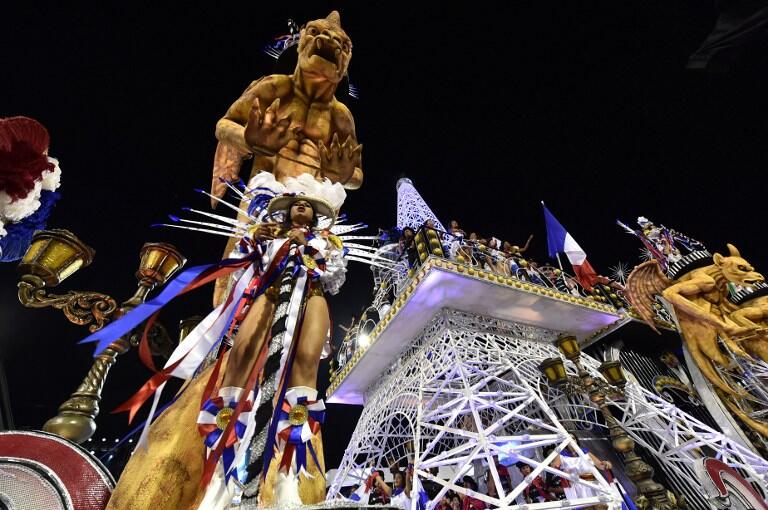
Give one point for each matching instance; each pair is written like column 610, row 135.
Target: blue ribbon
column 314, row 458
column 211, row 438
column 423, row 500
column 259, row 202
column 227, row 457
column 239, row 429
column 318, row 416
column 301, row 457
column 211, row 408
column 132, row 319
column 294, row 437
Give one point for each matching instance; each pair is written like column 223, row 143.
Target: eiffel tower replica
column 450, row 364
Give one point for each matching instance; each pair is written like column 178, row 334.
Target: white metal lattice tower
column 412, row 210
column 450, row 379
column 459, row 399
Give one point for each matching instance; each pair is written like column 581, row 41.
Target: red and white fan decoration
column 28, row 181
column 43, row 471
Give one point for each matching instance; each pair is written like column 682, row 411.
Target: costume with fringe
column 214, row 446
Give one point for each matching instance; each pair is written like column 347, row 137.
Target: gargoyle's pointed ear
column 717, row 259
column 334, row 18
column 733, row 250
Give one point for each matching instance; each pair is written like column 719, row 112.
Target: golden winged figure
column 704, row 314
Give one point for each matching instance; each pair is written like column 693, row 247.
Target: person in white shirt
column 581, row 467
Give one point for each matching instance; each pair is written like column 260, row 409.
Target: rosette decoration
column 28, row 182
column 298, row 420
column 312, row 261
column 214, row 417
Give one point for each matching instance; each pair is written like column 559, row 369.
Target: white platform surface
column 442, row 288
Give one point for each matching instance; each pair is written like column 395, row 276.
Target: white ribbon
column 196, row 346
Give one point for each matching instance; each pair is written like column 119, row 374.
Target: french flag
column 560, row 241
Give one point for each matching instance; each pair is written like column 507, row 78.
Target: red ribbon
column 228, row 434
column 212, row 380
column 133, row 404
column 144, row 352
column 290, row 448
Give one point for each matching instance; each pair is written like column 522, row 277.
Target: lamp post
column 55, row 255
column 651, row 494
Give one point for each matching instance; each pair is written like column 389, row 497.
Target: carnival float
column 484, row 377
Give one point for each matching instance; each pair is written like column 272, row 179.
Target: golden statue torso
column 313, row 121
column 293, row 124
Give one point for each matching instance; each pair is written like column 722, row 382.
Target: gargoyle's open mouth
column 326, row 50
column 752, row 281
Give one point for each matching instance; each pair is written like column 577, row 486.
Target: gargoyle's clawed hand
column 264, row 130
column 338, row 161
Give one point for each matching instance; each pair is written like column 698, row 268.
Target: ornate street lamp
column 652, row 495
column 613, row 372
column 569, row 347
column 55, row 255
column 554, row 370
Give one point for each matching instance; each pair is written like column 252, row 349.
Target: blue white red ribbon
column 298, row 420
column 215, row 416
column 184, row 282
column 312, row 261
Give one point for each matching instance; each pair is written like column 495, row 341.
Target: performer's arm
column 600, row 464
column 409, row 481
column 527, row 244
column 381, row 484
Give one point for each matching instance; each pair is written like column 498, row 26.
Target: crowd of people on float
column 543, row 487
column 504, row 258
column 491, row 254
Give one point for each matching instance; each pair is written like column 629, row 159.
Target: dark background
column 487, row 108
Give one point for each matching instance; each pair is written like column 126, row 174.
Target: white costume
column 578, row 467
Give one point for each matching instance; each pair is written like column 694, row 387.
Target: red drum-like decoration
column 40, row 470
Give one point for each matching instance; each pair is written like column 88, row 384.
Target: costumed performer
column 256, row 406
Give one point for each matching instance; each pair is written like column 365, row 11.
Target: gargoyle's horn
column 733, row 250
column 334, row 18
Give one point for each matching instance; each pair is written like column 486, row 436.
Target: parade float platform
column 442, row 284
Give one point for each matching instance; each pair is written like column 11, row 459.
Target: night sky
column 489, row 109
